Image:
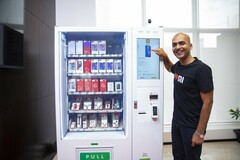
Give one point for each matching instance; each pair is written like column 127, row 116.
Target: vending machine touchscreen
column 146, row 60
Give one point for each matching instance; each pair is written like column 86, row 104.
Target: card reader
column 154, row 111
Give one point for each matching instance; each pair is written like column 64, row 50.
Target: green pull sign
column 95, row 156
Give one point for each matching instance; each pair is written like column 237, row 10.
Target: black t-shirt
column 189, row 81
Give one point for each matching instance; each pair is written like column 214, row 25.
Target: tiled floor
column 225, row 150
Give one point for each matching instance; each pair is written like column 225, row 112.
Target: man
column 193, row 98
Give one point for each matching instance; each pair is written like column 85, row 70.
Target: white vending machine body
column 93, row 93
column 147, row 94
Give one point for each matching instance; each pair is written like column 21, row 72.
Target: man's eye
column 181, row 43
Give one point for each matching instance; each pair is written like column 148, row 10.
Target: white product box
column 118, row 86
column 75, row 106
column 92, row 121
column 72, row 85
column 94, row 47
column 102, row 47
column 87, row 104
column 98, row 103
column 115, row 120
column 104, row 120
column 72, row 124
column 110, row 86
column 117, row 65
column 71, row 47
column 79, row 66
column 71, row 66
column 79, row 47
column 107, row 105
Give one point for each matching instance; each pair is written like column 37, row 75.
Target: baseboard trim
column 215, row 132
column 208, row 141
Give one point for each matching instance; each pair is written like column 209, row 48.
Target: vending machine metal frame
column 75, row 142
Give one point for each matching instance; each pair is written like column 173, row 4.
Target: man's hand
column 163, row 55
column 160, row 52
column 196, row 140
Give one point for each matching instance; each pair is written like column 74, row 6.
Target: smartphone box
column 88, row 85
column 71, row 66
column 98, row 103
column 87, row 66
column 95, row 86
column 104, row 120
column 75, row 106
column 86, row 47
column 118, row 86
column 79, row 66
column 110, row 86
column 73, row 124
column 72, row 85
column 107, row 104
column 109, row 65
column 117, row 65
column 87, row 104
column 79, row 47
column 84, row 121
column 80, row 85
column 92, row 120
column 94, row 47
column 117, row 104
column 102, row 47
column 94, row 66
column 79, row 121
column 102, row 66
column 103, row 85
column 71, row 47
column 115, row 120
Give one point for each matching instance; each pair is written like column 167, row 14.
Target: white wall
column 223, row 60
column 75, row 13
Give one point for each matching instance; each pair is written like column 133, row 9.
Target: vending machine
column 98, row 79
column 147, row 90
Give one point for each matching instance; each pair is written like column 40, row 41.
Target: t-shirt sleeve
column 172, row 69
column 205, row 79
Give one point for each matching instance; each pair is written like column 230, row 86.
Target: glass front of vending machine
column 92, row 90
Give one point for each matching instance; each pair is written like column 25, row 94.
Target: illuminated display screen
column 148, row 64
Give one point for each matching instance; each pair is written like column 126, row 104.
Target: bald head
column 186, row 37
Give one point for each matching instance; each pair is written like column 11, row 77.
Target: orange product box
column 95, row 87
column 103, row 85
column 87, row 66
column 80, row 85
column 88, row 85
